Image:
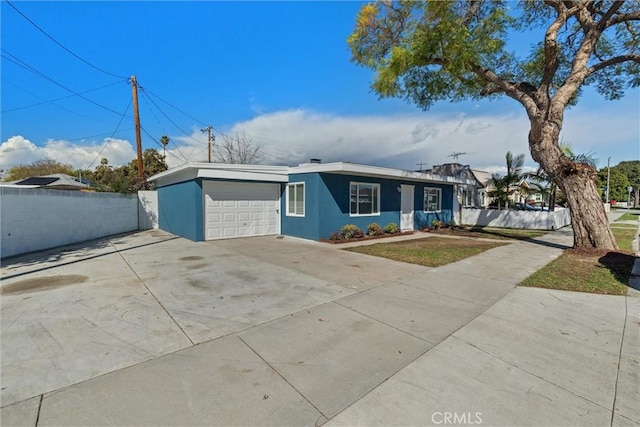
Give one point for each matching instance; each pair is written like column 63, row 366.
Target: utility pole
column 420, row 165
column 208, row 131
column 136, row 121
column 608, row 176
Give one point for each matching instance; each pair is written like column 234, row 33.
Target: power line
column 143, row 91
column 57, row 105
column 59, row 99
column 155, row 140
column 100, row 134
column 273, row 156
column 14, row 59
column 60, row 44
column 176, row 108
column 112, row 134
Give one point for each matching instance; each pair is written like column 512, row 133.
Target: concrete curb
column 634, row 279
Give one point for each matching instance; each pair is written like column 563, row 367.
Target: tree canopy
column 37, row 168
column 623, row 175
column 428, row 51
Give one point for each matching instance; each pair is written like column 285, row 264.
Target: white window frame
column 304, row 199
column 426, row 192
column 376, row 188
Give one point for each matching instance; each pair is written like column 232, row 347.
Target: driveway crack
column 285, row 380
column 624, row 330
column 153, row 295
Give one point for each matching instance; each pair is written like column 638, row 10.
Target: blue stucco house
column 208, row 201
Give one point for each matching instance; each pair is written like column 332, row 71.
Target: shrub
column 336, row 236
column 374, row 229
column 436, row 223
column 391, row 228
column 351, row 231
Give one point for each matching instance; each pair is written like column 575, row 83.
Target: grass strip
column 628, row 217
column 428, row 252
column 624, row 236
column 590, row 270
column 600, row 272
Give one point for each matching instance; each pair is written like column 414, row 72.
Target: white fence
column 531, row 220
column 36, row 219
column 147, row 210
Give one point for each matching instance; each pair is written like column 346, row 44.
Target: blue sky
column 277, row 71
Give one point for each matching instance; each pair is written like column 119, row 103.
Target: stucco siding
column 423, row 219
column 180, row 209
column 334, row 203
column 307, row 226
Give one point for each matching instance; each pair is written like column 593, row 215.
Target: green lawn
column 624, row 236
column 429, row 252
column 495, row 233
column 602, row 272
column 629, row 216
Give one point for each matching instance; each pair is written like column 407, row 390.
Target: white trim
column 304, row 199
column 426, row 189
column 189, row 171
column 358, row 183
column 377, row 172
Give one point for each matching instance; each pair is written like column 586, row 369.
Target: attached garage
column 240, row 209
column 209, row 201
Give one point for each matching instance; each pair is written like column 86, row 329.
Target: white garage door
column 240, row 209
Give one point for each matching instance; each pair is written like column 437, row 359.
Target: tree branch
column 631, row 16
column 510, row 89
column 608, row 14
column 551, row 50
column 613, row 61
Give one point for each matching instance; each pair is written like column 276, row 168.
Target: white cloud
column 401, row 141
column 294, row 136
column 19, row 150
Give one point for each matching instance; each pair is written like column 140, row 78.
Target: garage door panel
column 235, row 209
column 214, row 218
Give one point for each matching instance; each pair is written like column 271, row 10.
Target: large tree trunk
column 588, row 217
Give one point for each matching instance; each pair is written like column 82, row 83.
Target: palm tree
column 514, row 176
column 542, row 184
column 164, row 140
column 500, row 190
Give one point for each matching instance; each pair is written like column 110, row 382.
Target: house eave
column 189, row 171
column 342, row 168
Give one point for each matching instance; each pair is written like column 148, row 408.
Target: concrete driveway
column 150, row 329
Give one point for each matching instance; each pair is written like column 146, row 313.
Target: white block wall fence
column 531, row 220
column 36, row 219
column 147, row 210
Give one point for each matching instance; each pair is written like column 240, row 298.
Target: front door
column 406, row 207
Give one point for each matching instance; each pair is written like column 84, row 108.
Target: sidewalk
column 458, row 341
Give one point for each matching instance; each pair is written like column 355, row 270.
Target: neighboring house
column 207, row 201
column 473, row 194
column 58, row 181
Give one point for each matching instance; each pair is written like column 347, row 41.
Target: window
column 432, row 199
column 364, row 199
column 295, row 199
